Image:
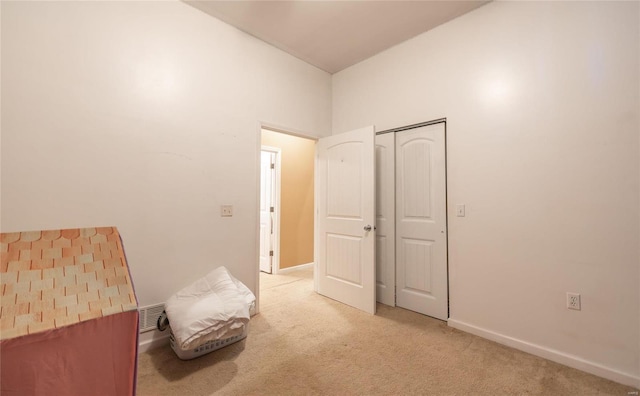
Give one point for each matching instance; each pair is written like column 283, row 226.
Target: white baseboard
column 550, row 354
column 152, row 340
column 295, row 268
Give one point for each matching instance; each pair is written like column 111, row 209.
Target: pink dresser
column 68, row 317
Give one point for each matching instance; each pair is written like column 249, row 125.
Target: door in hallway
column 267, row 207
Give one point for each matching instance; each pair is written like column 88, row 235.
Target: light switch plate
column 460, row 210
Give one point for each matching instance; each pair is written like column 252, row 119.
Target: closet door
column 385, row 219
column 421, row 234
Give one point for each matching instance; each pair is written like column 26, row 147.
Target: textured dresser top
column 52, row 279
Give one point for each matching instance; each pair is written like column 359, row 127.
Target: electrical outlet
column 226, row 210
column 573, row 301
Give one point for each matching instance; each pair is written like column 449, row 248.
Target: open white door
column 345, row 234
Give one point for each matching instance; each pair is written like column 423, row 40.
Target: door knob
column 367, row 228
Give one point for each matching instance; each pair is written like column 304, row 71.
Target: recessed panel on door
column 344, row 261
column 416, row 186
column 381, row 262
column 344, row 182
column 417, row 277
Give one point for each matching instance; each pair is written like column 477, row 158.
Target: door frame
column 275, row 263
column 258, row 150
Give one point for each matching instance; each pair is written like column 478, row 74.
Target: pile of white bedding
column 212, row 308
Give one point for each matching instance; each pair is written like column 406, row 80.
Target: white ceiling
column 333, row 35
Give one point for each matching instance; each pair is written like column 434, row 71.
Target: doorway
column 292, row 216
column 422, row 259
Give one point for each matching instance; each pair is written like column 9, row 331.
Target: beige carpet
column 305, row 344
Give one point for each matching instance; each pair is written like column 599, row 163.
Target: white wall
column 542, row 106
column 145, row 115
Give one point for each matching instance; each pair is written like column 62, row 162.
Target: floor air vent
column 149, row 316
